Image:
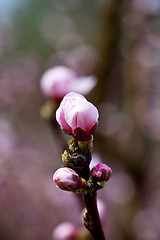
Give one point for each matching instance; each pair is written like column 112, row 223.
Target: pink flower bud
column 64, row 231
column 101, row 172
column 55, row 82
column 67, row 179
column 58, row 81
column 77, row 116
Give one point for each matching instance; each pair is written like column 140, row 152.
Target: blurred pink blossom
column 77, row 116
column 55, row 82
column 58, row 81
column 64, row 231
column 83, row 84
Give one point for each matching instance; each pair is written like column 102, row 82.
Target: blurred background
column 118, row 41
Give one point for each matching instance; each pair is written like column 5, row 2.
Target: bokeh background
column 118, row 41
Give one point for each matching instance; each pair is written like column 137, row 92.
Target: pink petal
column 83, row 85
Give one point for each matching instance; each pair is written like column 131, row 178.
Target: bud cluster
column 67, row 179
column 79, row 118
column 78, row 156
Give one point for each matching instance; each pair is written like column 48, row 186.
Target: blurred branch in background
column 119, row 41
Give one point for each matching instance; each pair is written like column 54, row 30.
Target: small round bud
column 101, row 172
column 77, row 116
column 67, row 179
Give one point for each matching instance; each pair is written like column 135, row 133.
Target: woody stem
column 95, row 227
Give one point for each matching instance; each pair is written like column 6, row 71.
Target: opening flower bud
column 101, row 172
column 67, row 179
column 77, row 116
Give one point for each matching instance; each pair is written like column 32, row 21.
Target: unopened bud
column 77, row 116
column 67, row 179
column 101, row 172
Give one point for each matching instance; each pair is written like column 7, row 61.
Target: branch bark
column 95, row 226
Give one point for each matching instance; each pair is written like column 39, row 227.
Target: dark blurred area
column 119, row 42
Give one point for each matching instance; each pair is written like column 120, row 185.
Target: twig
column 94, row 226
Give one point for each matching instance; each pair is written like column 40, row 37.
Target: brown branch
column 94, row 227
